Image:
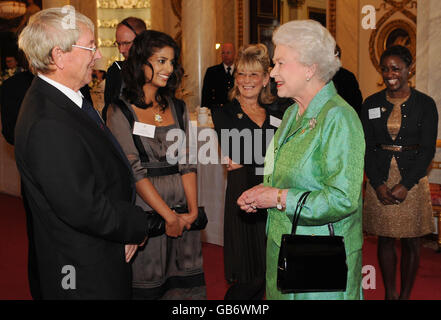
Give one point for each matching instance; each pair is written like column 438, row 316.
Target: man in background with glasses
column 126, row 31
column 76, row 178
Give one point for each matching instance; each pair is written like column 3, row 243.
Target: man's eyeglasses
column 93, row 49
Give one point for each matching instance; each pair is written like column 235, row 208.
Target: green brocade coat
column 323, row 152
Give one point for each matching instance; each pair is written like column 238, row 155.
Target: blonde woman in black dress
column 253, row 111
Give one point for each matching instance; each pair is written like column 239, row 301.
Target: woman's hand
column 188, row 218
column 385, row 196
column 399, row 192
column 174, row 225
column 231, row 165
column 130, row 250
column 258, row 197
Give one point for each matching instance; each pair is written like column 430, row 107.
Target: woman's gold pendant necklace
column 158, row 118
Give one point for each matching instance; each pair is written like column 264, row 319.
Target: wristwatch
column 279, row 200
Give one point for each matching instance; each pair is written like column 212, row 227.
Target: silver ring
column 253, row 207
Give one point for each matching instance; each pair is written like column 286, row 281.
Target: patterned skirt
column 410, row 219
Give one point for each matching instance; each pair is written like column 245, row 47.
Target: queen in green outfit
column 319, row 147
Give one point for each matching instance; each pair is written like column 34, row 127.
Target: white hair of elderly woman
column 313, row 43
column 50, row 28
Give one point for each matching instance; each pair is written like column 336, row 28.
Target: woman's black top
column 419, row 128
column 241, row 139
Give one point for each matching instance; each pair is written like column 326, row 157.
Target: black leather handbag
column 156, row 225
column 309, row 263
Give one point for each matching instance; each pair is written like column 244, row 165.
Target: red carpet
column 13, row 256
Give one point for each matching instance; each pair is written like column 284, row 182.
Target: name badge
column 144, row 129
column 275, row 122
column 374, row 113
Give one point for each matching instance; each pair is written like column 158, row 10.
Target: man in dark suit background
column 219, row 79
column 347, row 86
column 12, row 93
column 126, row 31
column 77, row 180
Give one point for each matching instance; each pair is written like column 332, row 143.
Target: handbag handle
column 298, row 210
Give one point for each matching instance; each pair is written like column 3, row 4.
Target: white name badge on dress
column 374, row 113
column 275, row 122
column 144, row 129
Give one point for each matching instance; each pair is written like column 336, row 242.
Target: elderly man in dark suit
column 219, row 79
column 76, row 179
column 12, row 93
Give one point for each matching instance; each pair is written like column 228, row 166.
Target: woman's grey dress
column 165, row 268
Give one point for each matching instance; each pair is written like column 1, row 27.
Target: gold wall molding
column 394, row 31
column 123, row 4
column 332, row 17
column 240, row 23
column 112, row 23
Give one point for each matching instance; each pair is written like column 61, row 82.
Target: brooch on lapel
column 312, row 123
column 239, row 116
column 383, row 109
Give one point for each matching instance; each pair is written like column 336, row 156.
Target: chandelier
column 12, row 9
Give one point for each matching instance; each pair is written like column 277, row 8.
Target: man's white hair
column 50, row 28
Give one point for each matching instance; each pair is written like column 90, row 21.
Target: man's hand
column 130, row 251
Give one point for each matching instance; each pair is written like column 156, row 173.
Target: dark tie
column 93, row 114
column 229, row 71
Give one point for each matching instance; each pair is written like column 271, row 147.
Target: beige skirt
column 410, row 219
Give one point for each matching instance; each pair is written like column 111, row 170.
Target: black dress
column 244, row 234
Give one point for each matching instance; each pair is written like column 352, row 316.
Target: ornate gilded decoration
column 107, row 23
column 123, row 4
column 114, row 22
column 296, row 3
column 239, row 23
column 106, row 43
column 332, row 17
column 391, row 32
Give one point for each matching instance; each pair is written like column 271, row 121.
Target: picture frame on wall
column 265, row 36
column 317, row 14
column 394, row 32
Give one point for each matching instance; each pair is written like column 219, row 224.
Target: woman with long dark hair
column 170, row 265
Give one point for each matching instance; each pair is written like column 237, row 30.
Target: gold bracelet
column 279, row 201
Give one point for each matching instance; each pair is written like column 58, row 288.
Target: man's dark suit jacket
column 216, row 86
column 347, row 87
column 113, row 86
column 80, row 191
